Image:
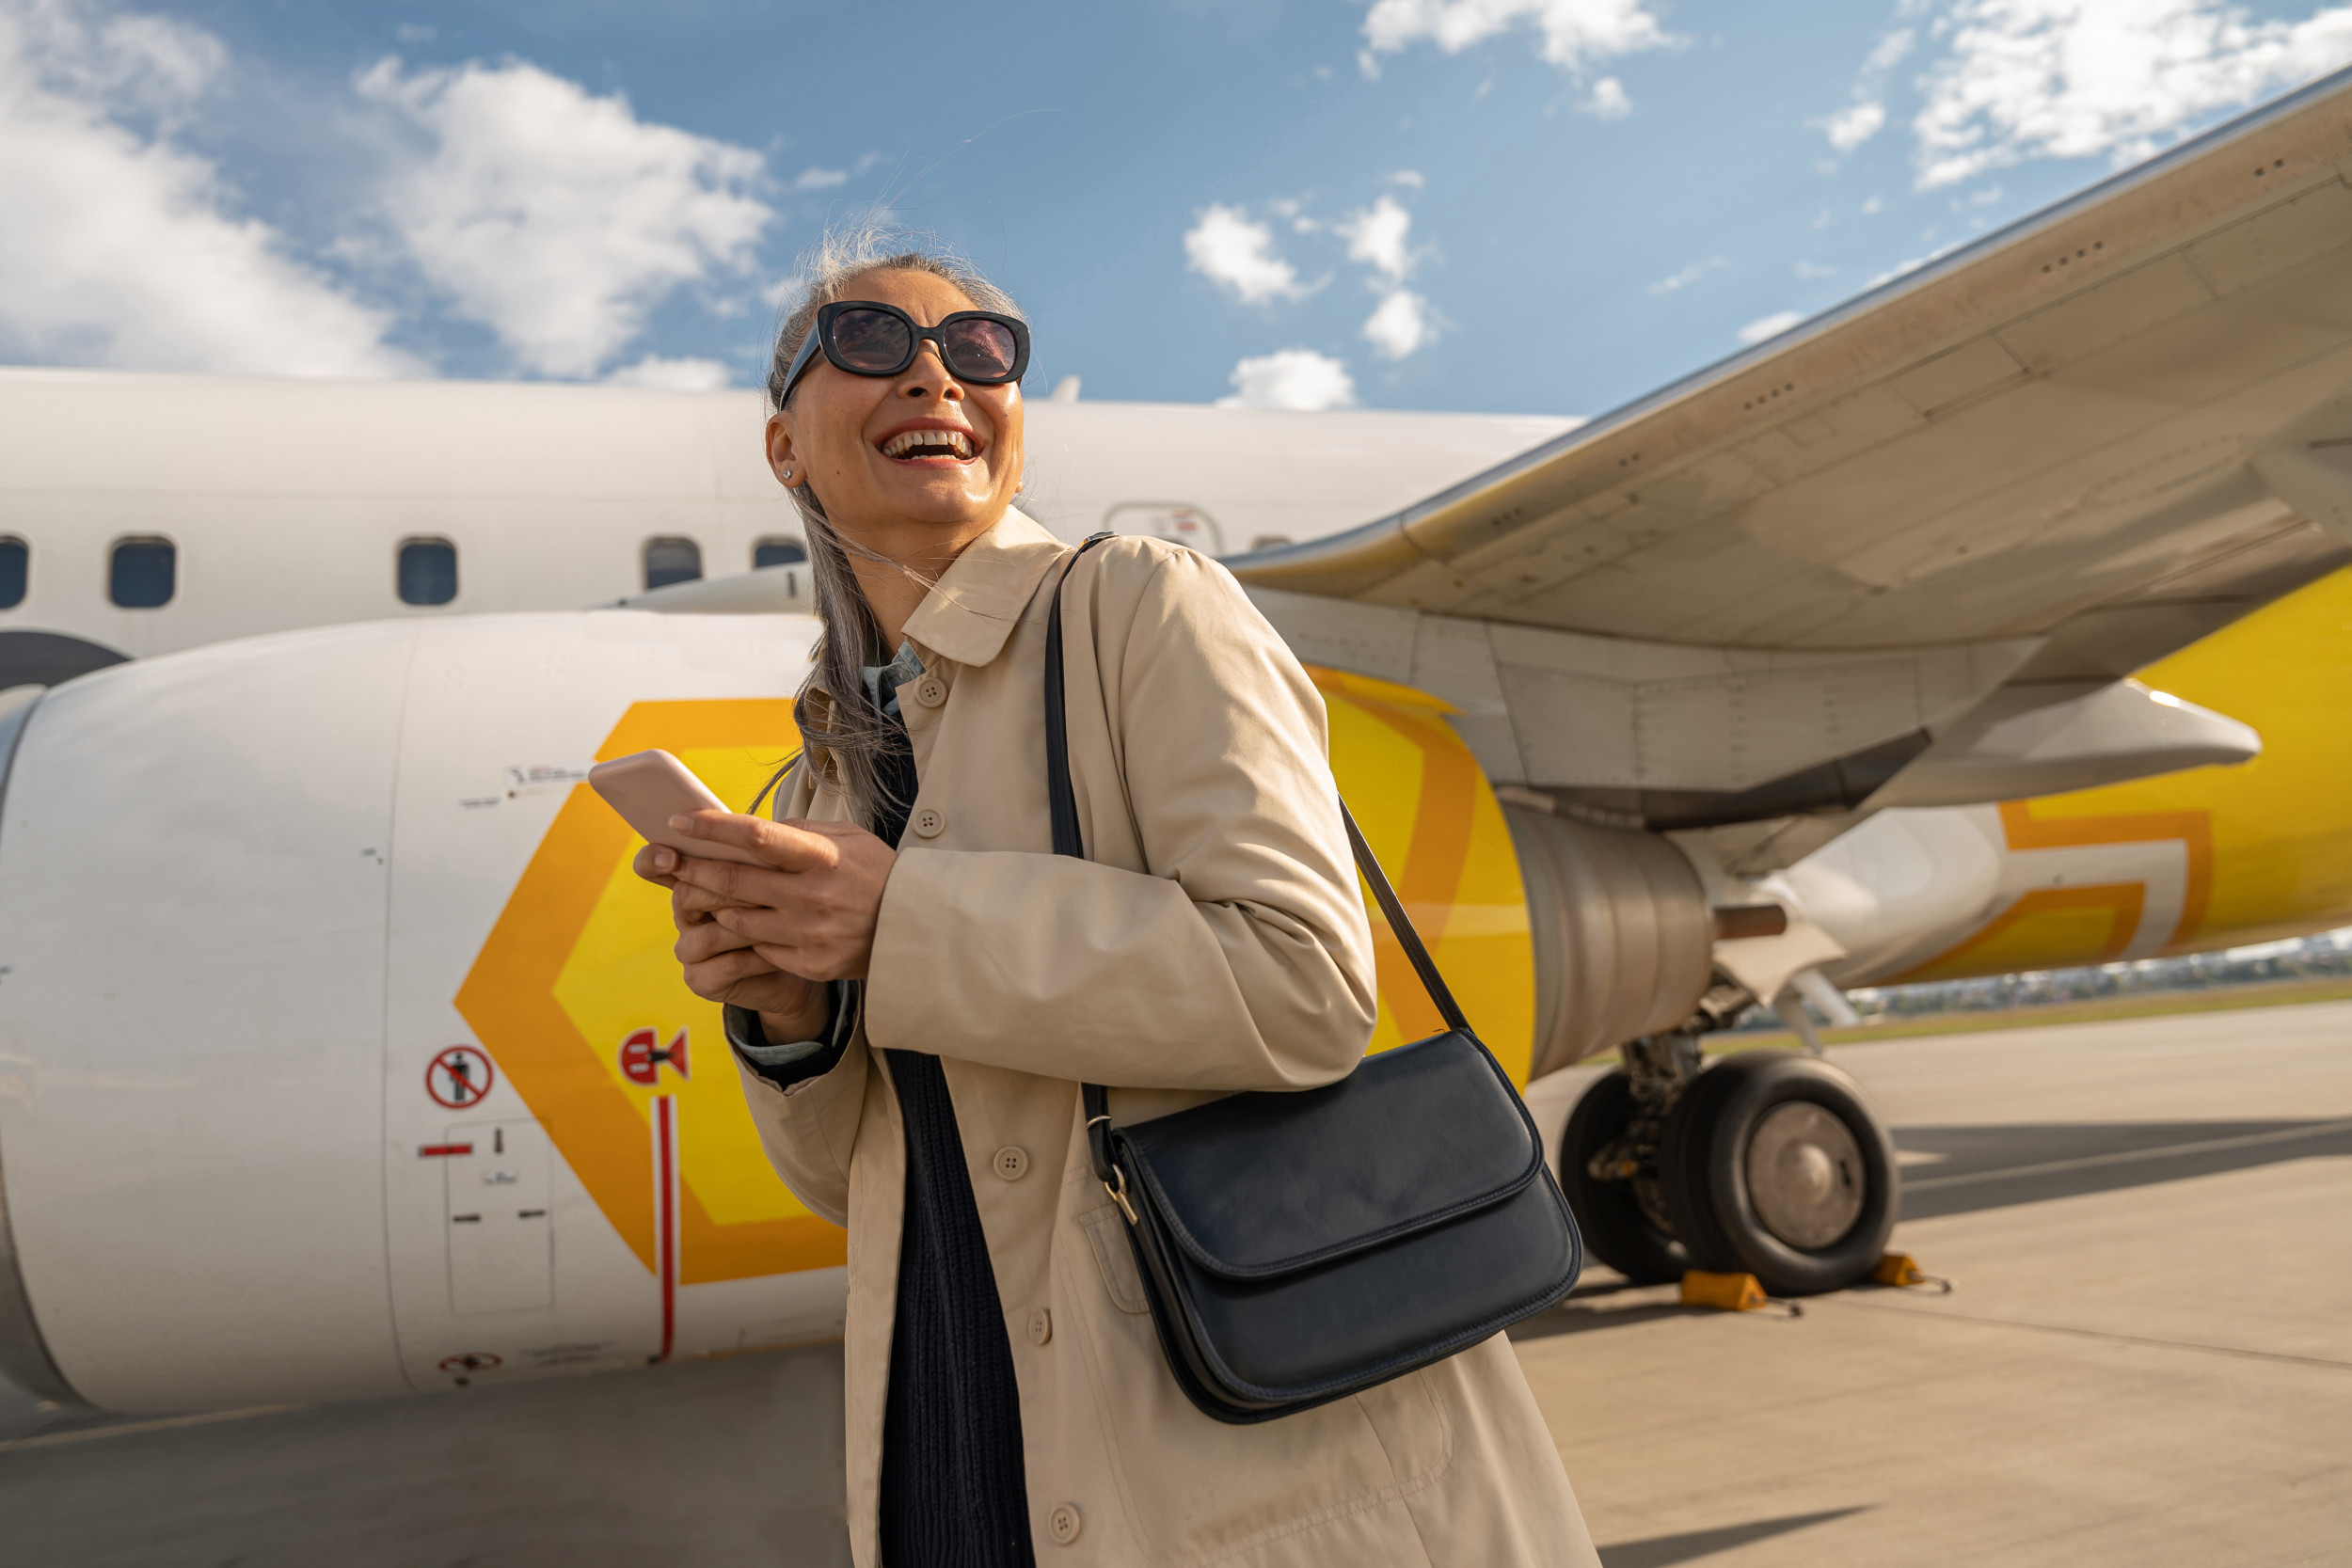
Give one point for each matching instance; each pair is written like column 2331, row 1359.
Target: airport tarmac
column 2147, row 1359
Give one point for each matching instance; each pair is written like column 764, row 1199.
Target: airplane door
column 501, row 1255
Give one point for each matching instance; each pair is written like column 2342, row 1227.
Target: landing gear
column 1621, row 1212
column 1765, row 1162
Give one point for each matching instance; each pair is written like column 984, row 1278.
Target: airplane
column 1994, row 620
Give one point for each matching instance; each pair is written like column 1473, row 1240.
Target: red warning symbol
column 472, row 1361
column 458, row 1077
column 640, row 1062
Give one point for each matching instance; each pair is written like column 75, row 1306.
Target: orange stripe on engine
column 1438, row 854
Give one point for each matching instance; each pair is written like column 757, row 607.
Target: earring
column 787, row 473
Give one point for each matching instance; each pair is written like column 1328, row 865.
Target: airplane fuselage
column 251, row 506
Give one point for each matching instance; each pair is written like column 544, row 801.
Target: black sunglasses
column 865, row 337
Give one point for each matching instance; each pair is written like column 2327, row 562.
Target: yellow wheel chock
column 1726, row 1292
column 1902, row 1269
column 1744, row 1292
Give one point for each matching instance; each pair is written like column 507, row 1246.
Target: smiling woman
column 916, row 985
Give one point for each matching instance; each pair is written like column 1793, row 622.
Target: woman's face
column 837, row 435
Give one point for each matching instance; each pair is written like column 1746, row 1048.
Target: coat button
column 1040, row 1326
column 931, row 821
column 1013, row 1162
column 1063, row 1524
column 931, row 691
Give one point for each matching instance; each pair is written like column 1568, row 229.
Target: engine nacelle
column 317, row 982
column 1622, row 932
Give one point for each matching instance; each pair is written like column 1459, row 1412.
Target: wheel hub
column 1805, row 1175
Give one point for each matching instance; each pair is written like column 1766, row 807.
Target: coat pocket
column 1113, row 1254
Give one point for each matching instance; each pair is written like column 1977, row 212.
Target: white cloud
column 1291, row 378
column 1889, row 52
column 814, row 179
column 1379, row 236
column 673, row 375
column 556, row 218
column 1608, row 99
column 2090, row 78
column 1576, row 33
column 1769, row 327
column 1411, row 179
column 1690, row 274
column 1850, row 127
column 1866, row 117
column 1400, row 325
column 1231, row 249
column 122, row 247
column 1873, row 207
column 1815, row 269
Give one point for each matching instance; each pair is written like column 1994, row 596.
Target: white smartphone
column 648, row 788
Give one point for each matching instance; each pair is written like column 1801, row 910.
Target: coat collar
column 970, row 612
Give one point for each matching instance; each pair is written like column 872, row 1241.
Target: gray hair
column 853, row 732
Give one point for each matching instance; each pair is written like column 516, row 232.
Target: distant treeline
column 2307, row 958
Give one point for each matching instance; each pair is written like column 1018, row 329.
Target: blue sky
column 1510, row 205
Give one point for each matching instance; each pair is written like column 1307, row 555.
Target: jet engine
column 1622, row 932
column 317, row 993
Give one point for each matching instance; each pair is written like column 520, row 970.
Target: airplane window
column 778, row 552
column 143, row 574
column 672, row 559
column 428, row 571
column 16, row 559
column 1172, row 521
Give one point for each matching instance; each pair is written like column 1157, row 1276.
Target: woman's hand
column 767, row 937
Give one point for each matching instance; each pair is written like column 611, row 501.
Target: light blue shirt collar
column 884, row 680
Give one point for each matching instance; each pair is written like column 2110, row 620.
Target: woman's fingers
column 714, row 978
column 786, row 845
column 708, row 940
column 731, row 883
column 657, row 863
column 791, row 923
column 687, row 899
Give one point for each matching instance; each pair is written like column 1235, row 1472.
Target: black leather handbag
column 1297, row 1247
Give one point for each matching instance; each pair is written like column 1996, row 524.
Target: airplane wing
column 1838, row 566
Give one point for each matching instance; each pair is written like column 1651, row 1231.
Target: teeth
column 907, row 443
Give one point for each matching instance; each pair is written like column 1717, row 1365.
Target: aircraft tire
column 1608, row 1214
column 1773, row 1165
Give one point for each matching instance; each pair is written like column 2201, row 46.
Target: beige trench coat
column 1214, row 940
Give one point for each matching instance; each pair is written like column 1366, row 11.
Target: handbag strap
column 1063, row 804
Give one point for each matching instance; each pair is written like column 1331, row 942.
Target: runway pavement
column 2148, row 1359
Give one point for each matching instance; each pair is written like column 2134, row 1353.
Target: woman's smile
column 931, row 443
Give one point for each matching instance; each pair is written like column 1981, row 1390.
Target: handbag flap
column 1259, row 1185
